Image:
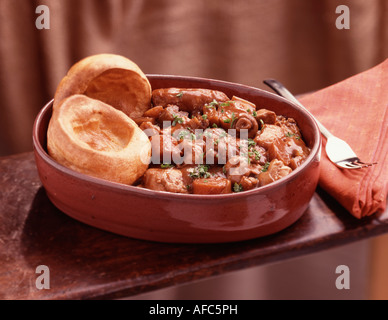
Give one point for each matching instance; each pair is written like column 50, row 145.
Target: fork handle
column 281, row 90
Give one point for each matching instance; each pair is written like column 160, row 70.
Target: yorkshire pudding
column 110, row 78
column 93, row 138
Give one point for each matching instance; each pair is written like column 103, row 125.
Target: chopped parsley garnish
column 208, row 134
column 225, row 104
column 234, row 118
column 257, row 154
column 265, row 168
column 238, row 187
column 204, row 116
column 251, row 143
column 247, row 155
column 166, row 165
column 179, row 95
column 176, row 120
column 200, row 172
column 183, row 134
column 214, row 125
column 231, row 121
column 212, row 104
column 223, row 134
column 254, row 113
column 290, row 135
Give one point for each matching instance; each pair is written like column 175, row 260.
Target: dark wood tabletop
column 88, row 263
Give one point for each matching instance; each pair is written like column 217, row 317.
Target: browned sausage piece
column 189, row 100
column 215, row 185
column 153, row 112
column 170, row 180
column 275, row 171
column 248, row 123
column 248, row 183
column 150, row 129
column 266, row 116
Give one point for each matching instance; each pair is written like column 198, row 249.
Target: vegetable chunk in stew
column 204, row 142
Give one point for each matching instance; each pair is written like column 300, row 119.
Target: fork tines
column 360, row 164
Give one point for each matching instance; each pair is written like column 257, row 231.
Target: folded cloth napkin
column 356, row 110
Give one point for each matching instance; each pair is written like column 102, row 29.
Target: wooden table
column 87, row 263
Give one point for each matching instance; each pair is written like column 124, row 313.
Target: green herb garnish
column 225, row 104
column 223, row 134
column 290, row 135
column 176, row 120
column 257, row 154
column 251, row 143
column 200, row 172
column 208, row 134
column 166, row 165
column 238, row 187
column 233, row 119
column 179, row 95
column 183, row 134
column 212, row 104
column 265, row 168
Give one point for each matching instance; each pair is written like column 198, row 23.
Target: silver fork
column 337, row 150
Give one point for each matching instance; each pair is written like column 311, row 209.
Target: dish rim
column 316, row 148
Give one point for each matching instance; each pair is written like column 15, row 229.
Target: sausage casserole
column 204, row 142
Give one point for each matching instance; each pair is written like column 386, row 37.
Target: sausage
column 248, row 183
column 170, row 180
column 267, row 116
column 150, row 129
column 246, row 122
column 215, row 185
column 189, row 100
column 275, row 171
column 153, row 112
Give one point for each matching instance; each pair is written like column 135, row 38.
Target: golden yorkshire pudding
column 93, row 138
column 111, row 78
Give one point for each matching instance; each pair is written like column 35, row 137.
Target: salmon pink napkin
column 356, row 110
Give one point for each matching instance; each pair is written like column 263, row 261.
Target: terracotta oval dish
column 185, row 218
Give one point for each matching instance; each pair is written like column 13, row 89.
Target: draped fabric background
column 295, row 41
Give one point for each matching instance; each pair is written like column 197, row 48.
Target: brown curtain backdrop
column 295, row 41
